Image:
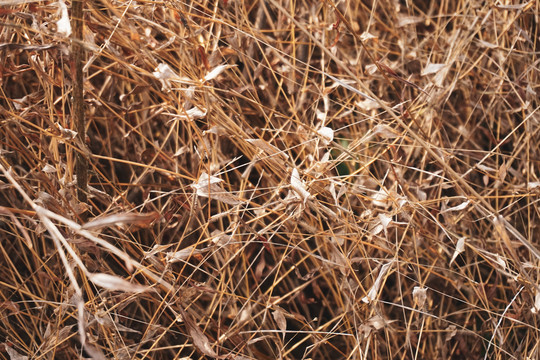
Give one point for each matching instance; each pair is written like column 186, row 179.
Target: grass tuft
column 269, row 180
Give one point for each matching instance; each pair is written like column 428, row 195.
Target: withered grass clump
column 271, row 180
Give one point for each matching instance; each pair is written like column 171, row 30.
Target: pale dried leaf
column 63, row 26
column 48, row 168
column 105, row 319
column 207, row 186
column 536, row 307
column 245, row 314
column 533, row 185
column 200, row 341
column 116, row 283
column 380, row 198
column 385, row 221
column 460, row 247
column 183, row 254
column 365, row 330
column 432, row 69
column 214, row 73
column 452, row 331
column 376, row 322
column 94, row 352
column 280, row 319
column 217, row 130
column 325, row 158
column 194, row 113
column 376, row 229
column 339, row 259
column 298, row 185
column 327, row 135
column 346, row 85
column 459, row 207
column 368, row 104
column 67, row 134
column 385, row 131
column 372, row 293
column 156, row 249
column 181, row 151
column 500, row 261
column 164, row 72
column 13, row 354
column 365, row 36
column 206, row 180
column 332, row 190
column 420, row 296
column 404, row 20
column 321, row 115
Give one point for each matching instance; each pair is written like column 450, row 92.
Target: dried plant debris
column 270, row 180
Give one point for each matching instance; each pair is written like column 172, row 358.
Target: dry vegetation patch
column 271, row 180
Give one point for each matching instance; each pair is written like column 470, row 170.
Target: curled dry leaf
column 385, row 221
column 369, row 104
column 377, row 322
column 194, row 113
column 372, row 293
column 367, row 36
column 164, row 72
column 380, row 198
column 459, row 207
column 48, row 168
column 66, row 134
column 340, row 260
column 533, row 185
column 420, row 296
column 94, row 352
column 321, row 115
column 460, row 247
column 299, row 186
column 280, row 319
column 327, row 135
column 245, row 314
column 200, row 341
column 385, row 131
column 116, row 283
column 63, row 26
column 156, row 249
column 432, row 69
column 214, row 73
column 13, row 354
column 207, row 186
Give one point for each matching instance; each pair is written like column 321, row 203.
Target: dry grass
column 359, row 181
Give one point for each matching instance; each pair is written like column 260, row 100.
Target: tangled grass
column 271, row 180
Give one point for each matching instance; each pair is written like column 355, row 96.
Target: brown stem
column 81, row 163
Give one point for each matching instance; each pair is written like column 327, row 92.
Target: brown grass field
column 269, row 179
